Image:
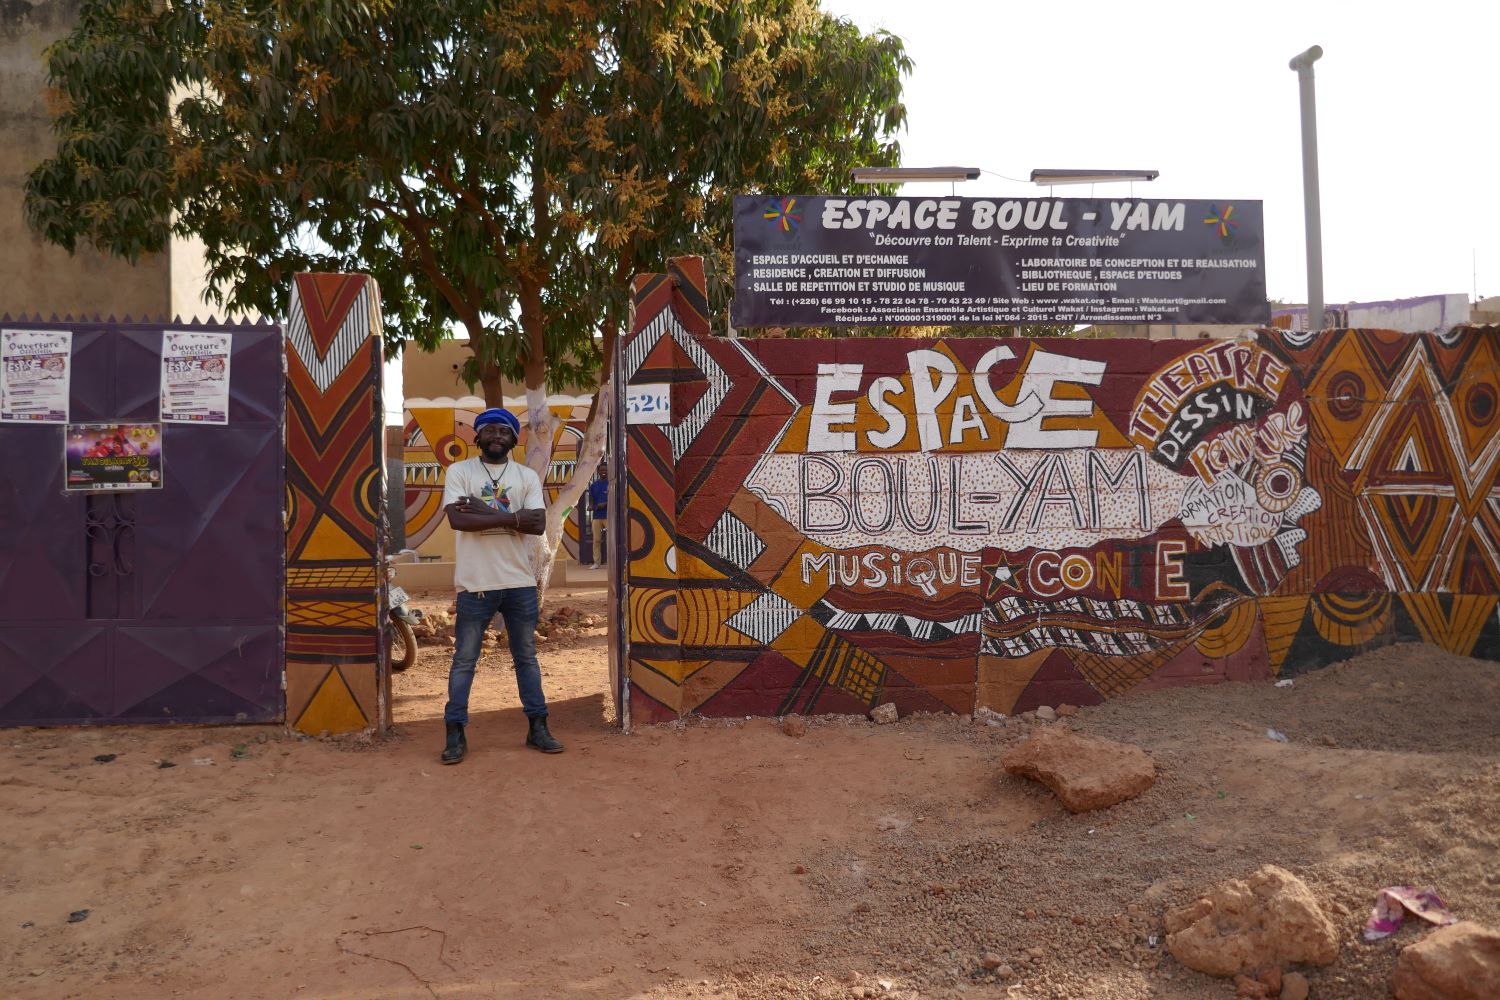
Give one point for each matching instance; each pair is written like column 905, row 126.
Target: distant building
column 1426, row 313
column 42, row 278
column 1485, row 311
column 1423, row 314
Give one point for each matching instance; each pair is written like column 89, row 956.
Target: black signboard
column 830, row 261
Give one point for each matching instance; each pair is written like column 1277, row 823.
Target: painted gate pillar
column 337, row 676
column 668, row 310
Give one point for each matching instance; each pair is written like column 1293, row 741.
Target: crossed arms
column 469, row 514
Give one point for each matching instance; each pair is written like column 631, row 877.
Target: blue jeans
column 518, row 607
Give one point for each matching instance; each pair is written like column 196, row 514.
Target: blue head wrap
column 499, row 415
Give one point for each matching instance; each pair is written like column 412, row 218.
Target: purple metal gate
column 157, row 605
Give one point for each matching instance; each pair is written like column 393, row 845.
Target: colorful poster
column 195, row 377
column 34, row 370
column 114, row 456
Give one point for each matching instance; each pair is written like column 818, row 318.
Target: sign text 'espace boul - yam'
column 943, row 261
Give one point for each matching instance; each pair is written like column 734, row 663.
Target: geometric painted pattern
column 331, row 576
column 684, row 431
column 766, row 618
column 893, row 622
column 336, row 613
column 324, row 349
column 336, row 674
column 733, row 540
column 808, row 537
column 1423, row 480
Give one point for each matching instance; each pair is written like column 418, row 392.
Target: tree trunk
column 590, row 451
column 493, row 384
column 491, row 381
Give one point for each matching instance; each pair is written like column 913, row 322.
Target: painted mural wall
column 827, row 525
column 439, row 432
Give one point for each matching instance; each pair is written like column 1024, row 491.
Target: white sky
column 1407, row 100
column 1406, row 107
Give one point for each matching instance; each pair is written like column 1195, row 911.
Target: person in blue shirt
column 599, row 512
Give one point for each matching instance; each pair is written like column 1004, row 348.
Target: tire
column 403, row 646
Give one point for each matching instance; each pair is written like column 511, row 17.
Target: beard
column 495, row 453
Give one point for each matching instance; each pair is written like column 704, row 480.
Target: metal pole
column 1303, row 65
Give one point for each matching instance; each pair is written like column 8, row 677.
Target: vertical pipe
column 1310, row 207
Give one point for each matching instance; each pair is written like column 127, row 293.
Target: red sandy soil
column 728, row 859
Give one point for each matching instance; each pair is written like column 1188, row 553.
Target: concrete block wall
column 828, row 525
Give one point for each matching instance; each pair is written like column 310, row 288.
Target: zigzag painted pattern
column 353, row 332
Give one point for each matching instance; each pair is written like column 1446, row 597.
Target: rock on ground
column 1294, row 986
column 1461, row 962
column 794, row 726
column 1271, row 918
column 1250, row 989
column 1086, row 773
column 884, row 714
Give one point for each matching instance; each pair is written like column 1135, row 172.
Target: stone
column 1460, row 962
column 991, row 961
column 1066, row 711
column 884, row 715
column 988, row 716
column 794, row 726
column 1251, row 989
column 1272, row 979
column 1294, row 986
column 1271, row 918
column 1086, row 773
column 1047, row 713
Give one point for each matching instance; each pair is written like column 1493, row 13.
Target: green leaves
column 473, row 157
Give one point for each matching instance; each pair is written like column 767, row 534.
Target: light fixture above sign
column 1047, row 176
column 900, row 175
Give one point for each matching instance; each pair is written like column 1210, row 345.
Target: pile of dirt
column 568, row 624
column 729, row 859
column 580, row 618
column 1389, row 776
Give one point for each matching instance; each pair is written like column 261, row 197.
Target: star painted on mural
column 1000, row 578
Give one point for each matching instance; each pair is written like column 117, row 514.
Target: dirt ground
column 728, row 860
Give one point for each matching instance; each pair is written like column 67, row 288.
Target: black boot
column 457, row 746
column 541, row 739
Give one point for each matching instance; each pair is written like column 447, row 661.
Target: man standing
column 493, row 503
column 599, row 513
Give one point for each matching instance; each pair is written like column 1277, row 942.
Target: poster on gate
column 35, row 366
column 195, row 377
column 113, row 457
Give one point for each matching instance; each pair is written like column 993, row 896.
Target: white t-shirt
column 500, row 558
